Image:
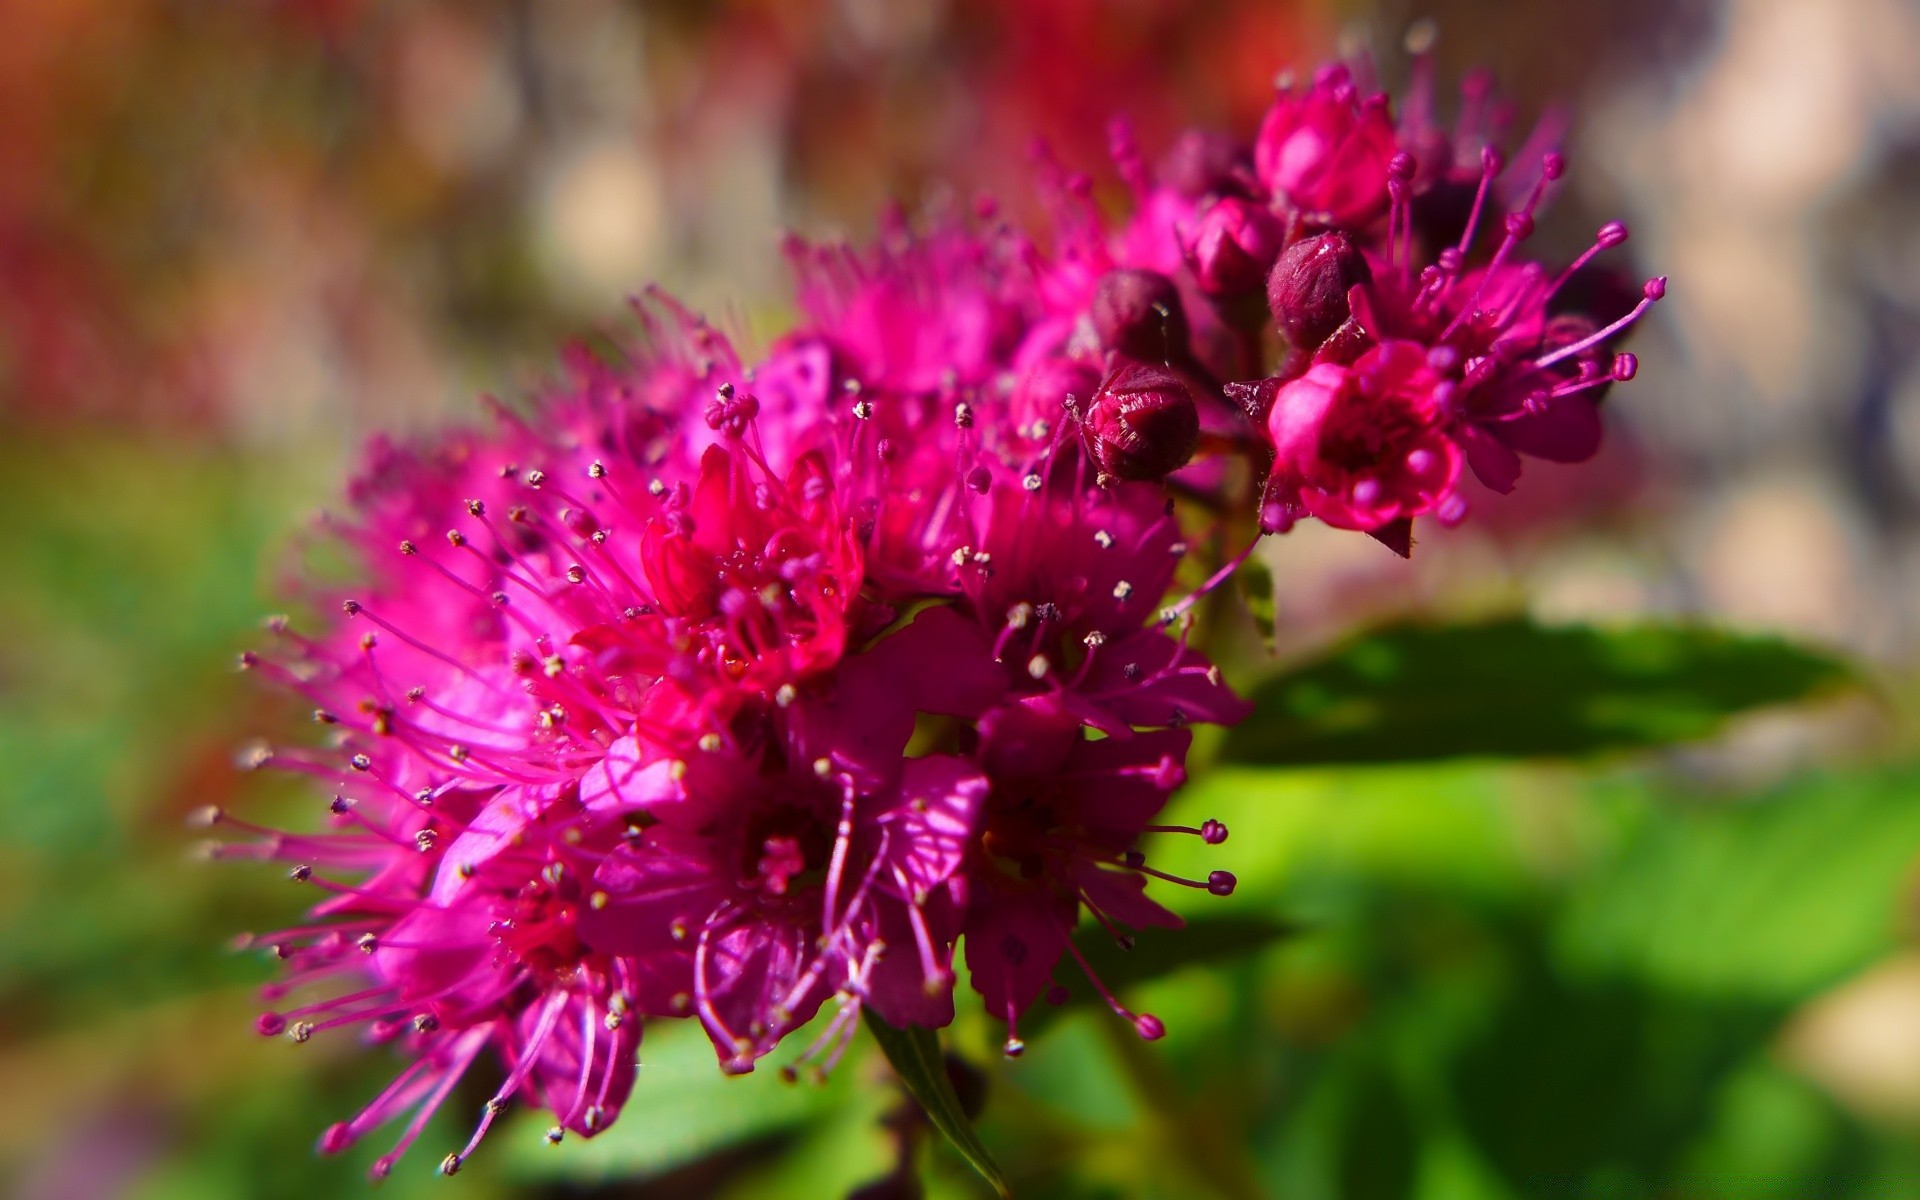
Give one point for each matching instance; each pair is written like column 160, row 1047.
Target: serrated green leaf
column 1512, row 688
column 915, row 1056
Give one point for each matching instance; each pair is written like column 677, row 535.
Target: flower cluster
column 747, row 691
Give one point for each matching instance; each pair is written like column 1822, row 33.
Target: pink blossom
column 1323, row 151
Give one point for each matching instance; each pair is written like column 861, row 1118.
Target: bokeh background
column 236, row 237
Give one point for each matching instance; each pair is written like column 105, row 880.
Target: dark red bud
column 1142, row 424
column 1234, row 247
column 1308, row 288
column 1139, row 315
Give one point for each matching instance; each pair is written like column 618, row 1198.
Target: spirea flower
column 762, row 690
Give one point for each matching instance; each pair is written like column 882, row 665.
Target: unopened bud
column 1307, row 290
column 1142, row 424
column 1234, row 247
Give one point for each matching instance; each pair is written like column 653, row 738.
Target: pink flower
column 1059, row 835
column 1364, row 446
column 483, row 954
column 767, row 879
column 1323, row 151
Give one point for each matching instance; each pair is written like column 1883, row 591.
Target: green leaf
column 916, row 1059
column 1765, row 901
column 1511, row 688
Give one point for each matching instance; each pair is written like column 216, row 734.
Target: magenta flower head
column 753, row 690
column 1141, row 424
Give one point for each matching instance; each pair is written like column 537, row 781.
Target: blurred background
column 237, row 237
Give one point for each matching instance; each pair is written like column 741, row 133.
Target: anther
column 450, row 1165
column 596, row 470
column 205, row 817
column 1038, row 666
column 423, row 841
column 1013, row 1048
column 1212, row 832
column 863, row 409
column 555, row 1134
column 1149, row 1027
column 301, row 873
column 1094, row 640
column 300, row 1031
column 1032, row 482
column 1221, row 883
column 426, row 1023
column 785, row 695
column 536, row 478
column 476, row 508
column 963, row 415
column 1122, row 590
column 1103, row 539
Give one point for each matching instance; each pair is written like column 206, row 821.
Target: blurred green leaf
column 916, row 1058
column 1511, row 688
column 1768, row 899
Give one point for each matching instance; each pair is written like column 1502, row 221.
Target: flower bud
column 1142, row 424
column 1308, row 288
column 1138, row 314
column 1234, row 247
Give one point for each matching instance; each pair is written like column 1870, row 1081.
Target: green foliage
column 914, row 1054
column 1515, row 689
